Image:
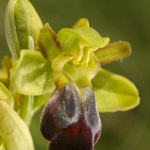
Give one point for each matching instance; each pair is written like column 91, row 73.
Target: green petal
column 4, row 71
column 113, row 51
column 32, row 74
column 90, row 36
column 13, row 130
column 6, row 95
column 114, row 92
column 83, row 75
column 47, row 43
column 82, row 22
column 86, row 36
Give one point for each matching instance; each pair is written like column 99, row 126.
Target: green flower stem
column 26, row 110
column 39, row 101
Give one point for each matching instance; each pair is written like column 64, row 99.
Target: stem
column 26, row 110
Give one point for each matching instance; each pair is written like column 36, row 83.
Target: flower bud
column 14, row 132
column 21, row 21
column 70, row 119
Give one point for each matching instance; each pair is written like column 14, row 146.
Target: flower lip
column 62, row 110
column 70, row 119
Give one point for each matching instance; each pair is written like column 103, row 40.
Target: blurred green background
column 127, row 20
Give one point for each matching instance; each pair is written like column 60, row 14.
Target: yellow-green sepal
column 114, row 92
column 31, row 74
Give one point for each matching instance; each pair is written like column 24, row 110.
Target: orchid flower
column 62, row 71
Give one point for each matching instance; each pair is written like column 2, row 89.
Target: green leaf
column 113, row 51
column 6, row 95
column 32, row 74
column 114, row 92
column 14, row 132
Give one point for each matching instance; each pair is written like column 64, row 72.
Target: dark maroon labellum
column 70, row 119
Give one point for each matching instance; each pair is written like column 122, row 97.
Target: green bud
column 21, row 21
column 13, row 131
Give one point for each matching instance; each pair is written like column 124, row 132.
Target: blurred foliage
column 120, row 20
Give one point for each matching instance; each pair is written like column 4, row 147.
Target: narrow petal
column 113, row 52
